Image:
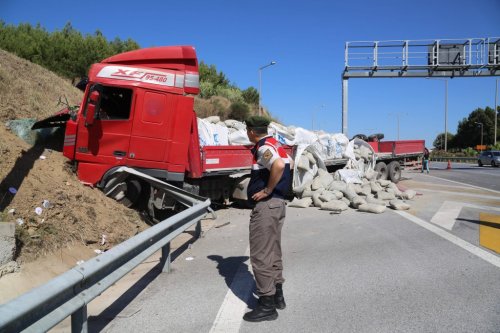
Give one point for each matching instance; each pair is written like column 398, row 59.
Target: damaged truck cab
column 138, row 112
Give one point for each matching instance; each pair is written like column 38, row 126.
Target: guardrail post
column 79, row 320
column 197, row 230
column 165, row 258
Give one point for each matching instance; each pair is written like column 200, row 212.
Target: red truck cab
column 137, row 111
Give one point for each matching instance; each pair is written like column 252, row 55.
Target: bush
column 470, row 152
column 231, row 93
column 239, row 111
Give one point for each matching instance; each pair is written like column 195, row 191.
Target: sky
column 307, row 40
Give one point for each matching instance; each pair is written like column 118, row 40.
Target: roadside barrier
column 68, row 294
column 455, row 159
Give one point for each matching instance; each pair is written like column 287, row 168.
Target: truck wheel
column 127, row 192
column 394, row 171
column 381, row 168
column 480, row 163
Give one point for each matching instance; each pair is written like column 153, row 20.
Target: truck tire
column 381, row 168
column 394, row 171
column 127, row 192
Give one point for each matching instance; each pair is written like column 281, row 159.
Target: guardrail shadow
column 99, row 322
column 238, row 277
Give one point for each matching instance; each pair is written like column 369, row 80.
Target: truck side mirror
column 92, row 108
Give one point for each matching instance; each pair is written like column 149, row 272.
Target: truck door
column 103, row 134
column 161, row 130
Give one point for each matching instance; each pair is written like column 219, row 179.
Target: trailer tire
column 381, row 169
column 394, row 171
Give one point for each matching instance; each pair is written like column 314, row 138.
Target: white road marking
column 482, row 196
column 485, row 255
column 231, row 312
column 453, row 181
column 446, row 215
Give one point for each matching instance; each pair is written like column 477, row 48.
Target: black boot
column 265, row 310
column 279, row 299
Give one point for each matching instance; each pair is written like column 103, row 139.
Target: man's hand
column 260, row 195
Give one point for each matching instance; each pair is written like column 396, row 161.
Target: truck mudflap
column 113, row 188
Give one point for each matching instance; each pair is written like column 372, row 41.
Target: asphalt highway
column 422, row 270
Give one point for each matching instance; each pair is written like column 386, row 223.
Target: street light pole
column 445, row 111
column 397, row 118
column 260, row 84
column 314, row 115
column 446, row 116
column 496, row 113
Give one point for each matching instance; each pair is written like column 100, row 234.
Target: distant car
column 489, row 157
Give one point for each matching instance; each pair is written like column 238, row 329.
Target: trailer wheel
column 381, row 168
column 394, row 171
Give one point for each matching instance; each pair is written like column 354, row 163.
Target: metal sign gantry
column 448, row 58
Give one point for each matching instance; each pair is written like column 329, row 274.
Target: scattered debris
column 103, row 239
column 189, row 258
column 38, row 210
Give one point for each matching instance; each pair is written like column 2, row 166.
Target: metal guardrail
column 454, row 159
column 68, row 294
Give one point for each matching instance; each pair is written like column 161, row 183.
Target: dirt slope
column 76, row 213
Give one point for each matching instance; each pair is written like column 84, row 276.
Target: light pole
column 481, row 124
column 260, row 84
column 445, row 111
column 397, row 116
column 314, row 114
column 496, row 113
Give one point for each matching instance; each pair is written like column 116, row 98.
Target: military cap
column 257, row 121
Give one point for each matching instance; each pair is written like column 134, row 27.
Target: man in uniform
column 269, row 183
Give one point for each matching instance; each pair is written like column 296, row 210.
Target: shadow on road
column 99, row 322
column 488, row 224
column 237, row 276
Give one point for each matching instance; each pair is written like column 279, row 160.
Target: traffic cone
column 449, row 165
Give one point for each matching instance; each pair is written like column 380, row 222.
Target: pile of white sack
column 214, row 132
column 355, row 186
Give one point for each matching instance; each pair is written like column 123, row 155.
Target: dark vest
column 259, row 176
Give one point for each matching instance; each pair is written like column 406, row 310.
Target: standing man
column 269, row 183
column 425, row 160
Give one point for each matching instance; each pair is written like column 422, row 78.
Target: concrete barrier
column 7, row 242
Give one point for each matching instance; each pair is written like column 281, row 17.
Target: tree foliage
column 66, row 52
column 251, row 96
column 239, row 111
column 469, row 129
column 439, row 141
column 70, row 54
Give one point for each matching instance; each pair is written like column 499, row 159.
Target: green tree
column 439, row 141
column 251, row 96
column 469, row 130
column 66, row 52
column 209, row 73
column 239, row 111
